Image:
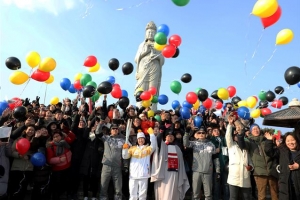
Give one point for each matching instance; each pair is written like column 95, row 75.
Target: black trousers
column 18, row 182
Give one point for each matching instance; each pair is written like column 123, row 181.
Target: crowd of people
column 140, row 154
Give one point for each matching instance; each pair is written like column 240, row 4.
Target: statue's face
column 150, row 34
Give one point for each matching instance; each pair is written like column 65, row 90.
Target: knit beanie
column 253, row 125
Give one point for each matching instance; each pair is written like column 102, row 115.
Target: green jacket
column 223, row 159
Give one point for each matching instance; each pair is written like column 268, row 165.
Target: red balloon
column 191, row 97
column 152, row 90
column 116, row 92
column 146, row 95
column 116, row 85
column 231, row 90
column 169, row 51
column 265, row 111
column 256, row 98
column 207, row 103
column 110, row 114
column 22, row 146
column 269, row 21
column 175, row 40
column 40, row 76
column 77, row 85
column 277, row 104
column 90, row 61
column 218, row 105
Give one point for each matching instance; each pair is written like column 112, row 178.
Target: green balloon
column 262, row 95
column 181, row 2
column 85, row 78
column 95, row 97
column 175, row 87
column 92, row 83
column 154, row 99
column 157, row 117
column 197, row 90
column 160, row 38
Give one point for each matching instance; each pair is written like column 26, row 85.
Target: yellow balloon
column 33, row 59
column 265, row 8
column 47, row 65
column 159, row 47
column 242, row 103
column 54, row 100
column 77, row 76
column 284, row 36
column 223, row 93
column 150, row 113
column 139, row 89
column 50, row 79
column 18, row 77
column 146, row 104
column 251, row 102
column 255, row 113
column 94, row 68
column 196, row 105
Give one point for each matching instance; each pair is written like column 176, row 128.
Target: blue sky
column 216, row 37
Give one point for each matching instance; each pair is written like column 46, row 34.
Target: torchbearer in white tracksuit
column 139, row 169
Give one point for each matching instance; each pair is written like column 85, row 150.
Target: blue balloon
column 298, row 84
column 124, row 93
column 72, row 89
column 198, row 121
column 164, row 29
column 185, row 113
column 243, row 112
column 38, row 159
column 3, row 106
column 65, row 83
column 187, row 104
column 175, row 104
column 202, row 109
column 111, row 79
column 163, row 99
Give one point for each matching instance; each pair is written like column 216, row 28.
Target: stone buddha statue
column 149, row 63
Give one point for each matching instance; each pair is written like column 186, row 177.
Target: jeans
column 235, row 190
column 220, row 187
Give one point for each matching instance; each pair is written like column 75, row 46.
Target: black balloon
column 270, row 96
column 202, row 94
column 127, row 68
column 292, row 75
column 20, row 112
column 235, row 100
column 123, row 102
column 220, row 100
column 113, row 64
column 105, row 87
column 263, row 104
column 177, row 111
column 137, row 96
column 186, row 78
column 13, row 63
column 279, row 90
column 214, row 94
column 284, row 100
column 176, row 53
column 88, row 91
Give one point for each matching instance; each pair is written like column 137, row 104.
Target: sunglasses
column 201, row 132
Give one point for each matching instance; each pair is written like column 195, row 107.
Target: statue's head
column 150, row 31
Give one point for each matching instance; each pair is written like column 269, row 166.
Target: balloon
column 50, row 79
column 159, row 47
column 146, row 95
column 277, row 104
column 160, row 38
column 251, row 102
column 18, row 77
column 262, row 95
column 235, row 100
column 163, row 28
column 54, row 100
column 181, row 2
column 38, row 159
column 175, row 104
column 214, row 94
column 105, row 87
column 218, row 105
column 94, row 68
column 40, row 76
column 90, row 61
column 92, row 83
column 292, row 75
column 22, row 146
column 202, row 94
column 146, row 104
column 265, row 111
column 175, row 40
column 196, row 105
column 284, row 36
column 13, row 63
column 263, row 104
column 47, row 65
column 255, row 113
column 168, row 51
column 185, row 113
column 223, row 93
column 77, row 85
column 186, row 78
column 154, row 99
column 231, row 90
column 116, row 85
column 33, row 59
column 270, row 96
column 3, row 106
column 197, row 90
column 113, row 64
column 138, row 95
column 95, row 97
column 110, row 114
column 65, row 83
column 77, row 76
column 111, row 79
column 175, row 87
column 279, row 90
column 284, row 100
column 150, row 113
column 157, row 118
column 124, row 93
column 176, row 53
column 88, row 91
column 116, row 92
column 187, row 104
column 72, row 89
column 85, row 78
column 191, row 97
column 269, row 21
column 163, row 99
column 264, row 8
column 127, row 68
column 152, row 90
column 198, row 121
column 243, row 112
column 207, row 103
column 242, row 103
column 20, row 112
column 123, row 102
column 298, row 85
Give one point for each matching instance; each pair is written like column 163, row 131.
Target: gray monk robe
column 169, row 185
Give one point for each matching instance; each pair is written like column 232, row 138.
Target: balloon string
column 263, row 65
column 24, row 87
column 258, row 43
column 45, row 93
column 247, row 41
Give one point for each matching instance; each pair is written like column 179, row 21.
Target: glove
column 37, row 99
column 218, row 177
column 249, row 168
column 150, row 131
column 125, row 146
column 26, row 102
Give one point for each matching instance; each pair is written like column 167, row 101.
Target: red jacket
column 145, row 124
column 54, row 160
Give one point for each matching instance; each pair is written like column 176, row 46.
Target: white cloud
column 52, row 6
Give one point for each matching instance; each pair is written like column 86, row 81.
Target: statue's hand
column 137, row 77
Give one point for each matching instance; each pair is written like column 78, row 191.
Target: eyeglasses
column 201, row 132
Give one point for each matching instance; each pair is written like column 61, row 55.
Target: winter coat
column 4, row 162
column 54, row 160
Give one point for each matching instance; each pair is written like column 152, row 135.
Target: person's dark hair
column 294, row 135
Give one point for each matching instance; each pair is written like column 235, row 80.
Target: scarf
column 172, row 158
column 60, row 147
